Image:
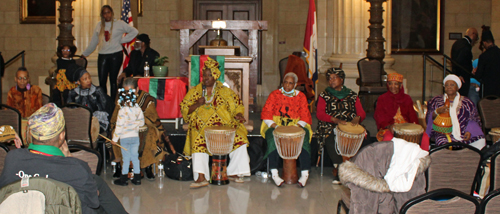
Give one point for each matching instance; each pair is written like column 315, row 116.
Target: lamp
column 218, row 41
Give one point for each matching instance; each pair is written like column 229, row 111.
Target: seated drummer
column 393, row 107
column 287, row 107
column 219, row 107
column 89, row 95
column 151, row 151
column 337, row 105
column 24, row 97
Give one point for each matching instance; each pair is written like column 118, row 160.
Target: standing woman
column 108, row 35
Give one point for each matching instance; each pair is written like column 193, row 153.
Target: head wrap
column 395, row 77
column 213, row 66
column 144, row 38
column 454, row 78
column 486, row 35
column 337, row 71
column 75, row 72
column 46, row 123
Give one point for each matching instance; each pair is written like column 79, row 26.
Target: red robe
column 387, row 107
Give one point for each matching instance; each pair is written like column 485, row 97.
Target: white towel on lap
column 404, row 165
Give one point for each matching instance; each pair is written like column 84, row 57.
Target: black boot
column 137, row 179
column 122, row 181
column 149, row 173
column 118, row 171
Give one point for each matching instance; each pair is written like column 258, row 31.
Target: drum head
column 495, row 130
column 288, row 130
column 357, row 129
column 408, row 127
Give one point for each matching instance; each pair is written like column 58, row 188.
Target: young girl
column 130, row 118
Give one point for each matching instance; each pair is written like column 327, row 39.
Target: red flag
column 310, row 41
column 126, row 16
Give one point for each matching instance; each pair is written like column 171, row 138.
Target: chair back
column 91, row 156
column 458, row 202
column 45, row 99
column 370, row 72
column 495, row 172
column 282, row 66
column 10, row 116
column 80, row 61
column 3, row 153
column 491, row 203
column 454, row 169
column 78, row 124
column 488, row 110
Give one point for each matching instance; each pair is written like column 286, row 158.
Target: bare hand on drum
column 391, row 128
column 466, row 136
column 274, row 125
column 355, row 121
column 338, row 121
column 240, row 118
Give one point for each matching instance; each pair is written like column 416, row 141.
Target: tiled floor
column 256, row 195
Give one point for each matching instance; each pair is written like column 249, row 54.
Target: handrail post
column 22, row 62
column 424, row 77
column 444, row 67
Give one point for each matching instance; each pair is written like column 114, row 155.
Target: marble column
column 350, row 23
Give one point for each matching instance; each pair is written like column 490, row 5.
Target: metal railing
column 15, row 57
column 443, row 67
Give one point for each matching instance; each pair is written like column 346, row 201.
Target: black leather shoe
column 118, row 171
column 149, row 173
column 122, row 181
column 137, row 179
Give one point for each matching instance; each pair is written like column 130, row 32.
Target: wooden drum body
column 220, row 141
column 409, row 131
column 289, row 141
column 349, row 139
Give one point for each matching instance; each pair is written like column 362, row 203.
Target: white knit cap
column 454, row 78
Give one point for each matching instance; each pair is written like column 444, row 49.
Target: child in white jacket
column 130, row 119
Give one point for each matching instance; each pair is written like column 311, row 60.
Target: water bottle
column 265, row 175
column 258, row 173
column 146, row 69
column 161, row 173
column 113, row 165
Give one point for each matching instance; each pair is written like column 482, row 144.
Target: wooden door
column 230, row 10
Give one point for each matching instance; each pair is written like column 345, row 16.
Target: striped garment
column 128, row 122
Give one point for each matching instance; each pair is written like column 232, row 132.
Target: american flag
column 127, row 18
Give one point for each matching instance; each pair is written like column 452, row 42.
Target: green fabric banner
column 153, row 87
column 195, row 70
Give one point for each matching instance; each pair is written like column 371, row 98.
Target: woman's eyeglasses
column 66, row 50
column 22, row 78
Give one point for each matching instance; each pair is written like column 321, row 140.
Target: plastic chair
column 45, row 99
column 370, row 77
column 488, row 110
column 491, row 203
column 495, row 172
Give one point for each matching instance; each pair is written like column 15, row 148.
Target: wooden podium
column 237, row 76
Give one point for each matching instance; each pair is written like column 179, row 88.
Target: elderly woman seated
column 465, row 121
column 337, row 105
column 393, row 107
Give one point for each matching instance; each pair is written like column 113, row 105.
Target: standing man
column 461, row 52
column 488, row 66
column 141, row 54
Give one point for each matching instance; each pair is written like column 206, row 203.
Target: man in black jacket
column 141, row 54
column 488, row 66
column 48, row 156
column 461, row 52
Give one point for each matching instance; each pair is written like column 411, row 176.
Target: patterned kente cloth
column 62, row 81
column 152, row 148
column 343, row 109
column 468, row 118
column 286, row 111
column 221, row 111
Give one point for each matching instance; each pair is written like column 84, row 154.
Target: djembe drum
column 289, row 141
column 220, row 141
column 349, row 139
column 495, row 134
column 409, row 131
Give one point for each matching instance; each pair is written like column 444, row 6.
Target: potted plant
column 160, row 70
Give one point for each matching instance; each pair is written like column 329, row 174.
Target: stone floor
column 256, row 195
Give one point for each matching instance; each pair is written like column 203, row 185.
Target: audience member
column 48, row 156
column 488, row 68
column 89, row 95
column 461, row 52
column 141, row 54
column 24, row 97
column 63, row 85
